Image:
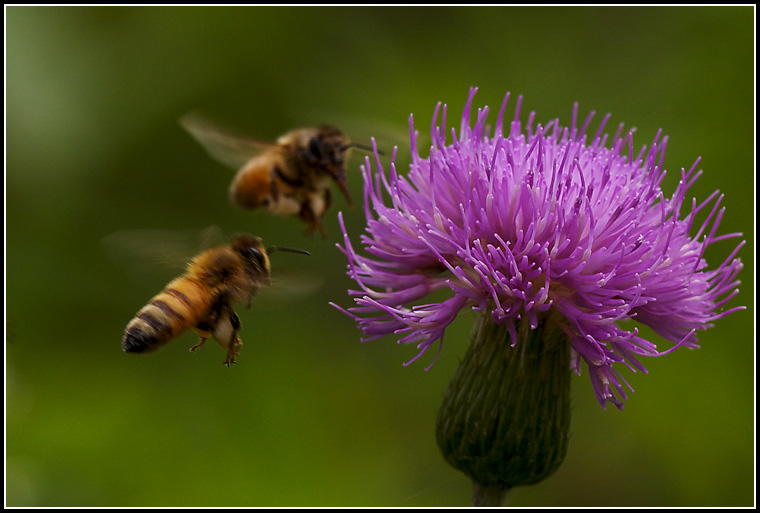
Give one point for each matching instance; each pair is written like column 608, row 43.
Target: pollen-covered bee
column 290, row 177
column 202, row 298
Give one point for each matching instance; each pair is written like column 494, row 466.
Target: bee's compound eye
column 256, row 255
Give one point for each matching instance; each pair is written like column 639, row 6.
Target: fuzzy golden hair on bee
column 290, row 177
column 203, row 298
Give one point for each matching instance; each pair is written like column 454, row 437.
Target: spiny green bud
column 505, row 417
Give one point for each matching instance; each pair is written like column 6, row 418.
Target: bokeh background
column 310, row 416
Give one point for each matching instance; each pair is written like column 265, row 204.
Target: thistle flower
column 533, row 228
column 515, row 225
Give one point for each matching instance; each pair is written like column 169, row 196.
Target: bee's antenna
column 363, row 147
column 272, row 249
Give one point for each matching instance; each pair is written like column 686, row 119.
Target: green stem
column 487, row 496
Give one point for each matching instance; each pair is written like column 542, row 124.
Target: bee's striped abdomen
column 175, row 309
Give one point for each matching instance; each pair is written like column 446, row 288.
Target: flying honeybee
column 290, row 177
column 202, row 298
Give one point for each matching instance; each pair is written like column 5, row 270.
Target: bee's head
column 253, row 252
column 255, row 255
column 330, row 147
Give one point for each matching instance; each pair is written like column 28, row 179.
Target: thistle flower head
column 524, row 221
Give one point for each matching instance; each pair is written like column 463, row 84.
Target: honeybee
column 203, row 297
column 290, row 177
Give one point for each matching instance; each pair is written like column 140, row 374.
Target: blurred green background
column 309, row 416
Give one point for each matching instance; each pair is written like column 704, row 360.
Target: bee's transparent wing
column 223, row 144
column 291, row 285
column 152, row 254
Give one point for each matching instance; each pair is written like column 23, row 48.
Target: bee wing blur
column 291, row 285
column 159, row 253
column 222, row 144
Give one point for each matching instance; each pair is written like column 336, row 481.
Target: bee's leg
column 205, row 329
column 199, row 344
column 233, row 349
column 327, row 197
column 328, row 202
column 314, row 223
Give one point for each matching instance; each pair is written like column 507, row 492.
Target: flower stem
column 505, row 417
column 487, row 496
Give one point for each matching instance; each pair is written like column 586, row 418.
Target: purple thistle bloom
column 518, row 224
